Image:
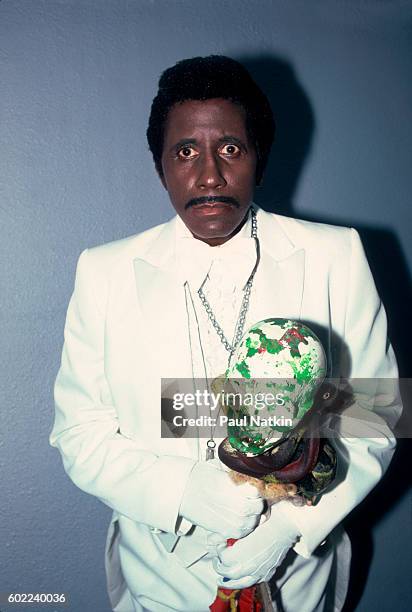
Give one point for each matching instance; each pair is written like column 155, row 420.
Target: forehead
column 212, row 117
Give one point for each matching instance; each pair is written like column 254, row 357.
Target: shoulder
column 99, row 267
column 106, row 259
column 318, row 239
column 311, row 232
column 132, row 246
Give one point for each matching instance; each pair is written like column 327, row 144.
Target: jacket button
column 155, row 530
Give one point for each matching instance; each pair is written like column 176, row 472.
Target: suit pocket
column 187, row 549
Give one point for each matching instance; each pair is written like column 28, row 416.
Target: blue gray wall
column 77, row 79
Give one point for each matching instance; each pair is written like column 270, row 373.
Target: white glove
column 255, row 558
column 214, row 502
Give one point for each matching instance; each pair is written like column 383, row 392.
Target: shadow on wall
column 295, row 127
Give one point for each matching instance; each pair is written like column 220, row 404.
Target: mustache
column 211, row 199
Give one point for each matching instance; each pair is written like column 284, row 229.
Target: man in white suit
column 136, row 316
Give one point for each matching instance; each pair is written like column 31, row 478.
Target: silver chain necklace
column 244, row 307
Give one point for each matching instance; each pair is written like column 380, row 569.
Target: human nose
column 210, row 173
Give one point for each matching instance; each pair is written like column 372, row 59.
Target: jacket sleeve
column 362, row 433
column 136, row 483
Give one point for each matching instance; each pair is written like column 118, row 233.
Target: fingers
column 238, row 560
column 213, row 501
column 234, row 570
column 249, row 523
column 253, row 506
column 216, row 543
column 228, row 524
column 227, row 560
column 235, row 520
column 230, row 572
column 243, row 506
column 234, row 532
column 240, row 529
column 215, row 539
column 248, row 490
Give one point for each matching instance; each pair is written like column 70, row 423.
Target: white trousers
column 317, row 584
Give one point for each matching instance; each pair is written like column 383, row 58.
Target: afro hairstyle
column 203, row 78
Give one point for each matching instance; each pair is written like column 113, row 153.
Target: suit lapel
column 279, row 286
column 279, row 290
column 279, row 283
column 161, row 300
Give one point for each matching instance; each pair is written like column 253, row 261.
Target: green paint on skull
column 252, row 345
column 272, row 346
column 243, row 369
column 283, row 356
column 305, row 368
column 304, row 406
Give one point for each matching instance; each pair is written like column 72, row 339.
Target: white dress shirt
column 223, row 271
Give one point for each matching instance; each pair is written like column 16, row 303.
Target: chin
column 218, row 227
column 214, row 235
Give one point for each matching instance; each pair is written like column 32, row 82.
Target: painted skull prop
column 274, row 375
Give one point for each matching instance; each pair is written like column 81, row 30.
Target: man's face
column 209, row 167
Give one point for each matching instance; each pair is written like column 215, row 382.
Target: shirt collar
column 196, row 258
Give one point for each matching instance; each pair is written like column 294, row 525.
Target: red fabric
column 248, row 602
column 241, row 600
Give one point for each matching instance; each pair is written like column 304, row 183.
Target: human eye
column 230, row 150
column 186, row 152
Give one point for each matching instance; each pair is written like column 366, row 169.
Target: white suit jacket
column 126, row 328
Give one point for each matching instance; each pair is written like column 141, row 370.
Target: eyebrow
column 185, row 142
column 233, row 140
